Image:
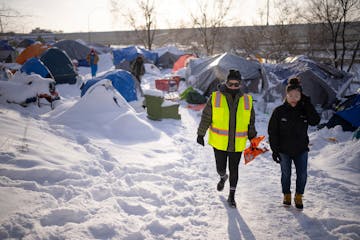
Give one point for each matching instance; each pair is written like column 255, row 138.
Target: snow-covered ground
column 92, row 169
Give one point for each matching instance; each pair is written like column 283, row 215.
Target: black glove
column 305, row 100
column 200, row 140
column 276, row 157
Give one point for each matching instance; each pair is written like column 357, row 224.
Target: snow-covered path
column 93, row 170
column 59, row 183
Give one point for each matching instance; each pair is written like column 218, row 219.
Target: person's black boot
column 221, row 183
column 231, row 199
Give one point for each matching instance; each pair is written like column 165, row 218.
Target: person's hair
column 294, row 84
column 234, row 75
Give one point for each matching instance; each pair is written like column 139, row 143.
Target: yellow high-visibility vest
column 219, row 129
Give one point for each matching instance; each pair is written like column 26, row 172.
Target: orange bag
column 254, row 150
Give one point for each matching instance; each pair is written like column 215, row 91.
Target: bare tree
column 143, row 25
column 336, row 16
column 280, row 40
column 209, row 21
column 6, row 14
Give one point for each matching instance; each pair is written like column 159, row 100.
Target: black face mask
column 232, row 91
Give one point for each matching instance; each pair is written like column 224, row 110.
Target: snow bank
column 103, row 109
column 23, row 86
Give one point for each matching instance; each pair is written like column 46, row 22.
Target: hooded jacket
column 206, row 118
column 288, row 127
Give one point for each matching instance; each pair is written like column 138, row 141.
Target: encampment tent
column 320, row 82
column 206, row 74
column 7, row 53
column 59, row 65
column 99, row 48
column 34, row 50
column 34, row 65
column 25, row 43
column 122, row 81
column 348, row 114
column 182, row 62
column 129, row 54
column 168, row 56
column 75, row 50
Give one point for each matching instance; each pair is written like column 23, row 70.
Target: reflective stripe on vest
column 219, row 129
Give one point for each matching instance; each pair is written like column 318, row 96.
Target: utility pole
column 267, row 13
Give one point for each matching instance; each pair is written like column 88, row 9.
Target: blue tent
column 25, row 43
column 34, row 65
column 7, row 53
column 130, row 53
column 352, row 112
column 122, row 81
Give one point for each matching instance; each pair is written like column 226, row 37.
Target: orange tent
column 34, row 50
column 182, row 62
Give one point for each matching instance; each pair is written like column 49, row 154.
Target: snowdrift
column 109, row 113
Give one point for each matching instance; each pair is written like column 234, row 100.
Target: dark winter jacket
column 288, row 127
column 137, row 68
column 206, row 118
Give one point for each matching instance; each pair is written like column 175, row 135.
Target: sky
column 96, row 15
column 94, row 169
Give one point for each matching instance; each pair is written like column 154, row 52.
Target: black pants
column 221, row 162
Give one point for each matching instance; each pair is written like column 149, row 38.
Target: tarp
column 122, row 81
column 130, row 53
column 352, row 112
column 320, row 82
column 206, row 74
column 74, row 49
column 34, row 65
column 34, row 50
column 59, row 65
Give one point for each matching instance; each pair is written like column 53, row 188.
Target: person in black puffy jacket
column 289, row 140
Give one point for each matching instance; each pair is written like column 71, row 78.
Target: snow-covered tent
column 60, row 66
column 122, row 81
column 206, row 74
column 124, row 56
column 34, row 65
column 75, row 50
column 319, row 81
column 23, row 86
column 168, row 56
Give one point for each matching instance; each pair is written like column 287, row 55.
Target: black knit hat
column 294, row 84
column 234, row 75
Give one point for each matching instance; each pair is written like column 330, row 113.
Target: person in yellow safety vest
column 230, row 117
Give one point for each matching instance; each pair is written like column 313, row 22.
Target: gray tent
column 206, row 74
column 74, row 49
column 100, row 48
column 319, row 81
column 168, row 56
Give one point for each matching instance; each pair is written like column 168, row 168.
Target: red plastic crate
column 169, row 85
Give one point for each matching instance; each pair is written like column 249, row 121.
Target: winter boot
column 287, row 199
column 231, row 199
column 298, row 201
column 221, row 183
